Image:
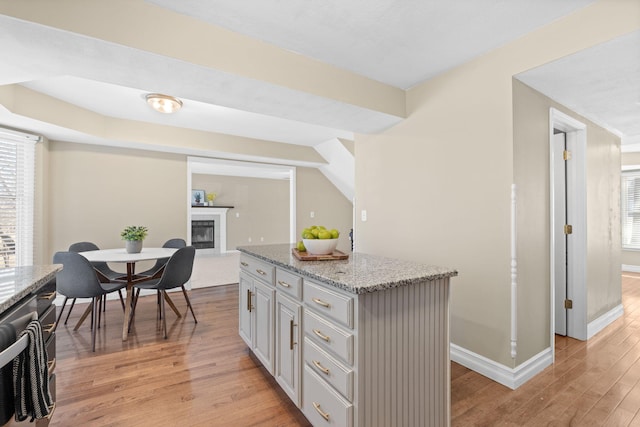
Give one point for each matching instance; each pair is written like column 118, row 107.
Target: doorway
column 568, row 238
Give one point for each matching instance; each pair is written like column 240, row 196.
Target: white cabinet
column 289, row 344
column 371, row 359
column 246, row 308
column 256, row 319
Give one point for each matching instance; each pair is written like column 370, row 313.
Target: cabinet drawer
column 45, row 299
column 289, row 283
column 48, row 322
column 260, row 269
column 323, row 406
column 329, row 369
column 329, row 303
column 329, row 336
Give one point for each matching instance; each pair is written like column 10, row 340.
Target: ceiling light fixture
column 163, row 103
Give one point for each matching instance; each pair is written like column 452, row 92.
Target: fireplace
column 209, row 229
column 203, row 234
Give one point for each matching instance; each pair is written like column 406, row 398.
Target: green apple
column 301, row 247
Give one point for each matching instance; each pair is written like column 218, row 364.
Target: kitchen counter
column 18, row 282
column 359, row 274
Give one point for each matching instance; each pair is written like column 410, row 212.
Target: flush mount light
column 163, row 103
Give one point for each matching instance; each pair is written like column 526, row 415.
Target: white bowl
column 320, row 246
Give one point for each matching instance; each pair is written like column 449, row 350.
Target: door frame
column 576, row 137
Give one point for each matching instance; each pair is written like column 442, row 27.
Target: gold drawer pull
column 322, row 303
column 283, row 283
column 49, row 328
column 52, row 409
column 321, row 335
column 319, row 366
column 264, row 273
column 320, row 411
column 51, row 365
column 48, row 296
column 244, row 264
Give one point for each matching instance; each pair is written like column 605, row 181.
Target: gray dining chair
column 102, row 268
column 171, row 243
column 176, row 274
column 78, row 279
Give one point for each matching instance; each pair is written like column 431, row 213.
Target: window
column 17, row 187
column 631, row 210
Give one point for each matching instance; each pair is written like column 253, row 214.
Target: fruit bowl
column 320, row 246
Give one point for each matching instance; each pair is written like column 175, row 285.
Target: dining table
column 120, row 255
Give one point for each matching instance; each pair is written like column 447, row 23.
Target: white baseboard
column 631, row 268
column 603, row 321
column 509, row 377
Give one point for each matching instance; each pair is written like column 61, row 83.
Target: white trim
column 631, row 268
column 202, row 165
column 509, row 377
column 605, row 320
column 576, row 206
column 514, row 276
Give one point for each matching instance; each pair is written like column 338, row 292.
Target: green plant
column 134, row 232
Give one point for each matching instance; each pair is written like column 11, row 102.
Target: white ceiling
column 400, row 43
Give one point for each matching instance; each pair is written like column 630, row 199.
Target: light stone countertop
column 359, row 274
column 18, row 282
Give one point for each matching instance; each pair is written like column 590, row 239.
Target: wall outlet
column 262, row 239
column 249, row 239
column 237, row 214
column 312, row 214
column 363, row 215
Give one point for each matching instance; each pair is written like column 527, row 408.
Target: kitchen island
column 356, row 342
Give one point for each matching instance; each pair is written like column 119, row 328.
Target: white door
column 560, row 238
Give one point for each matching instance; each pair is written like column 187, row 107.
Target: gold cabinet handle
column 49, row 328
column 322, row 368
column 262, row 272
column 320, row 302
column 291, row 343
column 48, row 296
column 51, row 365
column 320, row 411
column 321, row 335
column 283, row 283
column 244, row 264
column 249, row 295
column 52, row 409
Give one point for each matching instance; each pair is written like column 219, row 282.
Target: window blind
column 17, row 188
column 630, row 210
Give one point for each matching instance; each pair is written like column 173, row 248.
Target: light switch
column 312, row 214
column 363, row 215
column 237, row 214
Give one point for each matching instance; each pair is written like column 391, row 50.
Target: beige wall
column 95, row 191
column 531, row 176
column 437, row 186
column 631, row 258
column 263, row 206
column 314, row 193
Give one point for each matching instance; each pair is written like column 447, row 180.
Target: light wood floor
column 203, row 375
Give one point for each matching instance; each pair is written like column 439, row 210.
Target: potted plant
column 134, row 235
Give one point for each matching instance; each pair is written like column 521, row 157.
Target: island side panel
column 403, row 356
